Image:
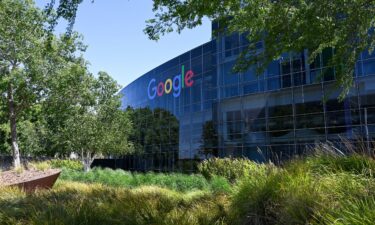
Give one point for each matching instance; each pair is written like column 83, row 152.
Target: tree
column 29, row 58
column 69, row 89
column 21, row 44
column 97, row 125
column 283, row 26
column 66, row 9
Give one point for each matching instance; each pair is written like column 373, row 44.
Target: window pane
column 250, row 88
column 250, row 75
column 310, row 121
column 369, row 67
column 228, row 76
column 273, row 83
column 327, row 56
column 273, row 69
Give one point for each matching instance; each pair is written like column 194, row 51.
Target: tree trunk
column 13, row 128
column 87, row 161
column 86, row 165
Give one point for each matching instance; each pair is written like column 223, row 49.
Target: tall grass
column 173, row 181
column 77, row 203
column 67, row 164
column 232, row 169
column 326, row 187
column 323, row 188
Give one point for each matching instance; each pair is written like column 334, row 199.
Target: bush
column 67, row 164
column 231, row 169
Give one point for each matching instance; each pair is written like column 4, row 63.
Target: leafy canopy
column 96, row 125
column 347, row 26
column 66, row 9
column 30, row 61
column 22, row 65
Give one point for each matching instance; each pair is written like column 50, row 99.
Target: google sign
column 179, row 82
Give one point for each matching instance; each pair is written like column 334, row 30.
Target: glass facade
column 194, row 106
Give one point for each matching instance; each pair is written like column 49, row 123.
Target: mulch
column 12, row 177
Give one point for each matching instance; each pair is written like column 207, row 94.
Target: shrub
column 66, row 163
column 231, row 169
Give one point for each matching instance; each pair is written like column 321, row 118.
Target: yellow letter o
column 168, row 86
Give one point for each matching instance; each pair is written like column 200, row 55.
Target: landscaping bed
column 321, row 189
column 30, row 180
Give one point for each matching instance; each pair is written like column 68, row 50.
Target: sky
column 113, row 31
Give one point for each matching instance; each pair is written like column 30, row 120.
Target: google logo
column 179, row 82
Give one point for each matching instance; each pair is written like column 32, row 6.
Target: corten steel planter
column 43, row 182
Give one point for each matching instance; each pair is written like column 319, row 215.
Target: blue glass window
column 209, row 94
column 196, row 65
column 310, row 121
column 328, row 74
column 327, row 56
column 196, row 107
column 366, row 54
column 250, row 74
column 316, row 63
column 186, row 96
column 299, row 78
column 298, row 63
column 243, row 39
column 207, row 62
column 228, row 76
column 207, row 48
column 273, row 69
column 261, row 85
column 231, row 91
column 315, row 76
column 250, row 88
column 232, row 45
column 273, row 83
column 196, row 91
column 287, row 81
column 196, row 52
column 358, row 69
column 185, row 57
column 285, row 67
column 369, row 67
column 256, row 125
